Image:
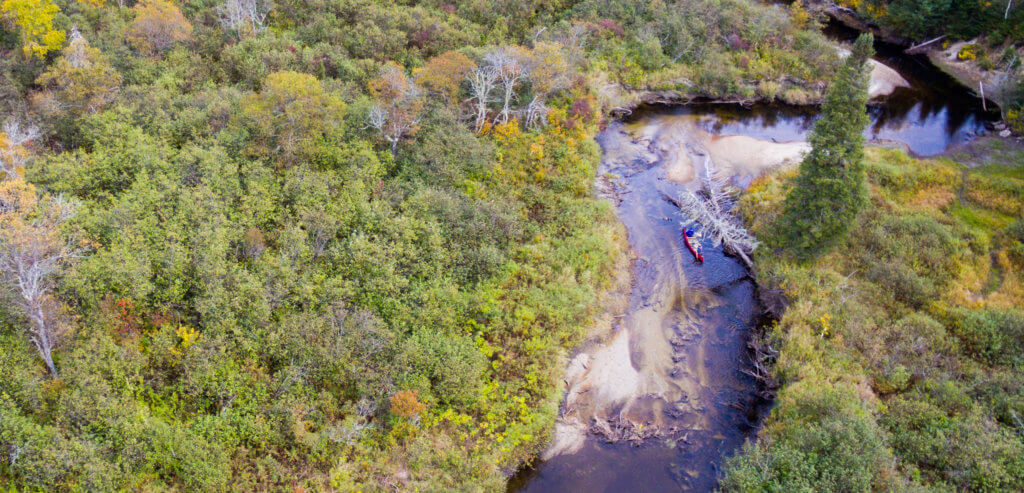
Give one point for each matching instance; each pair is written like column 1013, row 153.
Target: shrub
column 405, row 404
column 451, row 365
column 819, row 440
column 963, row 449
column 991, row 336
column 913, row 255
column 967, row 52
column 158, row 26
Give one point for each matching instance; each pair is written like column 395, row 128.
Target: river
column 659, row 403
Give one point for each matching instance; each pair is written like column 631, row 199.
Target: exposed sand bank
column 681, row 144
column 884, row 80
column 744, row 158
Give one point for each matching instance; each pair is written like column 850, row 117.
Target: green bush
column 991, row 336
column 913, row 256
column 822, row 440
column 961, row 448
column 452, row 366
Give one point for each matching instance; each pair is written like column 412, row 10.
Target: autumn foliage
column 290, row 113
column 32, row 250
column 405, row 404
column 158, row 26
column 33, row 19
column 400, row 104
column 445, row 73
column 80, row 82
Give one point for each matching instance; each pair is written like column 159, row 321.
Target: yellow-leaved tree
column 33, row 19
column 80, row 82
column 289, row 114
column 158, row 25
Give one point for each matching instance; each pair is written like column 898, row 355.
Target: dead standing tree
column 13, row 138
column 399, row 107
column 507, row 65
column 245, row 17
column 548, row 72
column 482, row 81
column 32, row 250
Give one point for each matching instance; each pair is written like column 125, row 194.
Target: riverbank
column 618, row 383
column 635, row 382
column 884, row 81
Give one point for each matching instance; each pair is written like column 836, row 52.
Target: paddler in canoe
column 694, row 246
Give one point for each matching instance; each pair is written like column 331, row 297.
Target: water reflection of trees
column 774, row 121
column 927, row 120
column 933, row 110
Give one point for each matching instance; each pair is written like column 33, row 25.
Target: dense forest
column 347, row 245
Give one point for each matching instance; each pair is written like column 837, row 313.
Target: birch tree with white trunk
column 482, row 81
column 507, row 64
column 32, row 251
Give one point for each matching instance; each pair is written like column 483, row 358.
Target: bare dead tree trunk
column 509, row 69
column 31, row 251
column 244, row 16
column 712, row 214
column 399, row 115
column 915, row 48
column 481, row 84
column 536, row 111
column 43, row 335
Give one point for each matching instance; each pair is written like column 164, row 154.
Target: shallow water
column 688, row 324
column 694, row 384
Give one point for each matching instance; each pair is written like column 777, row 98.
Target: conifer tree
column 830, row 189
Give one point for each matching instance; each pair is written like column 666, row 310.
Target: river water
column 663, row 400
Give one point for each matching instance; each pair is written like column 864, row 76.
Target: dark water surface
column 928, row 118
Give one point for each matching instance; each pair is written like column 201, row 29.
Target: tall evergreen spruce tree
column 830, row 188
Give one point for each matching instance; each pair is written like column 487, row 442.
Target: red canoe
column 696, row 253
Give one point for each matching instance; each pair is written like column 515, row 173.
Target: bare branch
column 245, row 17
column 712, row 213
column 31, row 252
column 507, row 64
column 482, row 82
